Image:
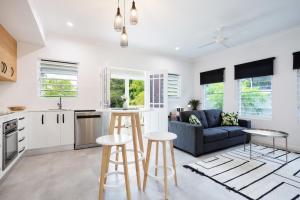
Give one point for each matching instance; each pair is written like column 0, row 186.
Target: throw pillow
column 194, row 120
column 230, row 119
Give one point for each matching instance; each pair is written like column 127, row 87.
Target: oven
column 10, row 142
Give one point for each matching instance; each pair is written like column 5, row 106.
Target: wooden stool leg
column 147, row 164
column 112, row 124
column 173, row 161
column 117, row 147
column 156, row 158
column 125, row 165
column 140, row 136
column 165, row 170
column 102, row 172
column 107, row 157
column 135, row 149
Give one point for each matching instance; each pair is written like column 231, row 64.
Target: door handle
column 42, row 118
column 57, row 118
column 63, row 118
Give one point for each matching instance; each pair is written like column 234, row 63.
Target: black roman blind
column 213, row 76
column 254, row 69
column 296, row 60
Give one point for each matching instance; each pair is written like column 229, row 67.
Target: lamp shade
column 118, row 24
column 133, row 14
column 124, row 38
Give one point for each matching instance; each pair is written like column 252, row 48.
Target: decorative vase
column 125, row 105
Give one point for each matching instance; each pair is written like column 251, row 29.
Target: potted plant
column 194, row 103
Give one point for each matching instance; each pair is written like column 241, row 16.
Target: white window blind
column 255, row 97
column 174, row 85
column 58, row 79
column 298, row 92
column 213, row 95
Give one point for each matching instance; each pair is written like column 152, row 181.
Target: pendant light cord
column 124, row 12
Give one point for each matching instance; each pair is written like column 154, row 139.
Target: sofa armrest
column 189, row 137
column 245, row 123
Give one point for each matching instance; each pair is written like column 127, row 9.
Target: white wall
column 91, row 58
column 284, row 82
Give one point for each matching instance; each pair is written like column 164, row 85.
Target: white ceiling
column 20, row 20
column 166, row 24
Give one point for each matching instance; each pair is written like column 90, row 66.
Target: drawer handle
column 21, row 129
column 23, row 148
column 22, row 139
column 22, row 118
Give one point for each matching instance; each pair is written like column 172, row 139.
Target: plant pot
column 125, row 105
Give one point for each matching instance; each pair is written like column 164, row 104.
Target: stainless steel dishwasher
column 88, row 126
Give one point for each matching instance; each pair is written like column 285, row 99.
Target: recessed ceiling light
column 70, row 24
column 177, row 48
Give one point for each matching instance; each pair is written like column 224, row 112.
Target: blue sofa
column 211, row 136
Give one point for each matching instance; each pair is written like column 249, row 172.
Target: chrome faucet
column 59, row 104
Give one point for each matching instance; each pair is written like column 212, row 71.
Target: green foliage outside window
column 255, row 96
column 58, row 88
column 214, row 94
column 136, row 92
column 117, row 89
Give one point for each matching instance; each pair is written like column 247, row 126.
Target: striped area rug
column 264, row 177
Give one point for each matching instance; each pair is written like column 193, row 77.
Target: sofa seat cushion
column 233, row 131
column 214, row 134
column 185, row 115
column 213, row 117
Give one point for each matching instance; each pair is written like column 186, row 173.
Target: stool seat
column 114, row 140
column 161, row 136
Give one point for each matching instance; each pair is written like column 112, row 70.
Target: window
column 298, row 92
column 174, row 85
column 58, row 79
column 132, row 89
column 213, row 96
column 255, row 97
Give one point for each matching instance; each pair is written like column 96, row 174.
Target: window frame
column 59, row 66
column 176, row 88
column 204, row 95
column 239, row 101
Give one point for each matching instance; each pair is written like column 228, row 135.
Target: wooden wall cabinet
column 8, row 56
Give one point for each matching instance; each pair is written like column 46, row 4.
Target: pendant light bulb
column 118, row 24
column 124, row 38
column 133, row 14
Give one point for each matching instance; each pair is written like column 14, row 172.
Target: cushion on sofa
column 214, row 134
column 185, row 115
column 230, row 119
column 213, row 117
column 233, row 131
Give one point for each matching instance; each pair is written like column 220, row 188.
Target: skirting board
column 34, row 152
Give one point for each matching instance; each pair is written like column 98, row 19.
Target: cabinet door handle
column 57, row 118
column 21, row 129
column 12, row 71
column 22, row 118
column 23, row 138
column 42, row 118
column 5, row 67
column 63, row 118
column 23, row 148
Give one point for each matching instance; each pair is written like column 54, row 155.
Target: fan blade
column 207, row 44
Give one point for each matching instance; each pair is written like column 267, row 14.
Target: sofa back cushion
column 185, row 115
column 213, row 117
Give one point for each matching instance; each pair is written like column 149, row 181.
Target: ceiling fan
column 218, row 39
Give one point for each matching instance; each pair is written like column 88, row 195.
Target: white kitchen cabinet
column 51, row 128
column 22, row 132
column 67, row 128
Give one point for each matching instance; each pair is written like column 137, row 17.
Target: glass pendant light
column 124, row 36
column 133, row 14
column 118, row 20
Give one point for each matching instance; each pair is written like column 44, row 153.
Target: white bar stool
column 108, row 141
column 162, row 137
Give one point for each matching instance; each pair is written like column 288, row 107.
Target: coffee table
column 266, row 133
